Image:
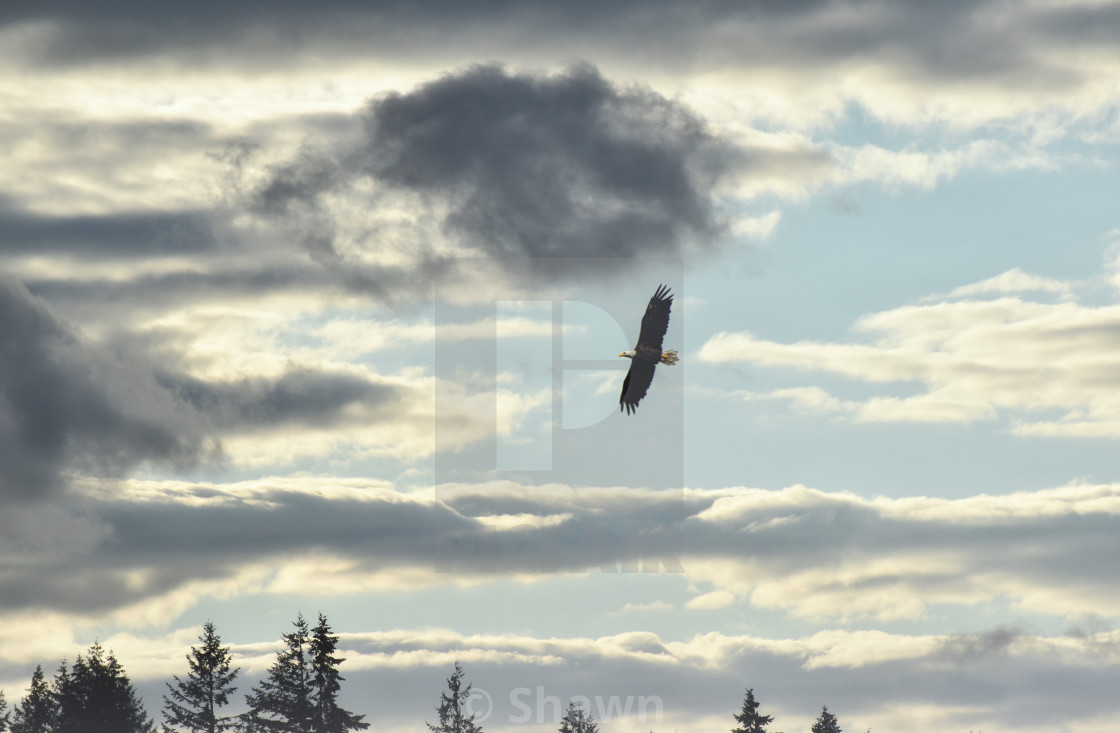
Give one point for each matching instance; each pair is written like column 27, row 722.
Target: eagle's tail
column 669, row 357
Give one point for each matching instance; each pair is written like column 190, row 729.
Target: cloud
column 68, row 405
column 1014, row 281
column 1044, row 366
column 803, row 552
column 174, row 393
column 93, row 237
column 205, row 536
column 965, row 63
column 566, row 165
column 836, row 556
column 517, row 166
column 145, row 551
column 300, row 396
column 715, row 599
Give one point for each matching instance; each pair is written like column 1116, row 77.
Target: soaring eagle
column 645, row 357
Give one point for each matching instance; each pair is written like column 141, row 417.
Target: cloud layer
column 67, row 405
column 516, row 167
column 1049, row 368
column 833, row 558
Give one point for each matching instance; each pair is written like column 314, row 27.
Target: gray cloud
column 234, row 282
column 835, row 551
column 954, row 41
column 132, row 235
column 127, row 28
column 70, row 405
column 211, row 541
column 962, row 648
column 145, row 544
column 66, row 404
column 299, row 396
column 567, row 165
column 526, row 166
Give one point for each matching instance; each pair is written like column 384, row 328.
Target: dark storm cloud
column 171, row 289
column 567, row 165
column 961, row 40
column 1085, row 25
column 172, row 543
column 110, row 235
column 128, row 28
column 964, row 647
column 69, row 405
column 299, row 396
column 527, row 166
column 65, row 404
column 232, row 283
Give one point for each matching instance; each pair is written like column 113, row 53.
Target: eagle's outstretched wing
column 636, row 384
column 656, row 320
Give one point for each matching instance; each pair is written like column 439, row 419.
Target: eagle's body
column 645, row 357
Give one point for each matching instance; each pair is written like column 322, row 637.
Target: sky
column 317, row 308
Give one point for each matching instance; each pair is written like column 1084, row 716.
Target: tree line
column 299, row 694
column 455, row 716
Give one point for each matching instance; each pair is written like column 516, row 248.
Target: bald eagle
column 645, row 357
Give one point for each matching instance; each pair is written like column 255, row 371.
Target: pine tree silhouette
column 452, row 707
column 326, row 683
column 749, row 719
column 193, row 703
column 576, row 720
column 38, row 711
column 826, row 722
column 96, row 696
column 281, row 703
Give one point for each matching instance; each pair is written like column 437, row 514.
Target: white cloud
column 757, row 227
column 1014, row 281
column 970, row 359
column 715, row 599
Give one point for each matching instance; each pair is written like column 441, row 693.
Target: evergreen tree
column 826, row 723
column 282, row 702
column 61, row 689
column 38, row 711
column 71, row 706
column 326, row 683
column 193, row 703
column 749, row 719
column 3, row 713
column 96, row 696
column 452, row 707
column 575, row 720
